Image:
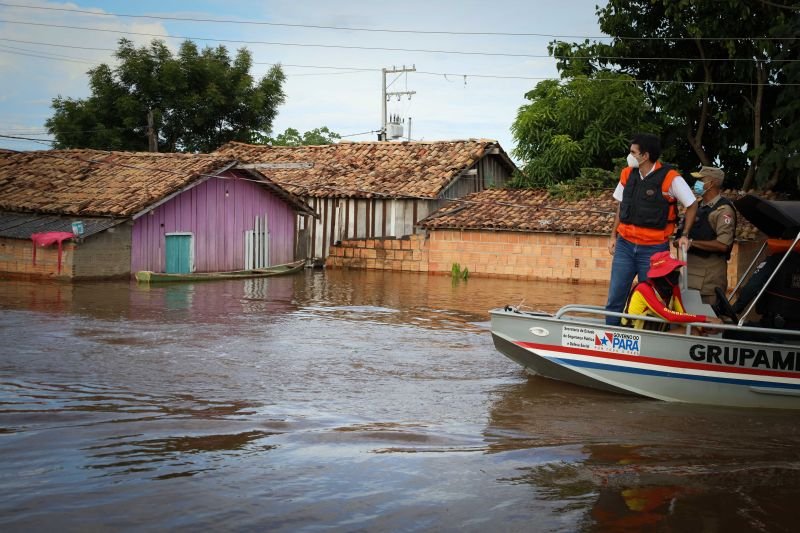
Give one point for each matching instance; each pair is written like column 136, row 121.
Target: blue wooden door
column 179, row 254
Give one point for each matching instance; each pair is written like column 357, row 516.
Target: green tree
column 581, row 122
column 315, row 137
column 198, row 100
column 717, row 93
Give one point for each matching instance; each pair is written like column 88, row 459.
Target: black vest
column 643, row 203
column 702, row 230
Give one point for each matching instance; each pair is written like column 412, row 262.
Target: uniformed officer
column 711, row 236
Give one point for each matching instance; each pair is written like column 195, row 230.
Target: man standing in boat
column 648, row 193
column 711, row 236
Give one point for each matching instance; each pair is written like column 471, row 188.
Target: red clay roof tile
column 366, row 169
column 535, row 211
column 90, row 182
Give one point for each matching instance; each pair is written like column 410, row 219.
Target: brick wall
column 408, row 254
column 500, row 254
column 16, row 260
column 105, row 255
column 511, row 254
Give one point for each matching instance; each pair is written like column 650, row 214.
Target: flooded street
column 351, row 401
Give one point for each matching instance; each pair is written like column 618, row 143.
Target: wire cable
column 537, row 56
column 486, row 76
column 390, row 30
column 354, row 47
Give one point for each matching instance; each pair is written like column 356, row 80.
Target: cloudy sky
column 472, row 91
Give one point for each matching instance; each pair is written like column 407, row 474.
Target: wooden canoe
column 147, row 276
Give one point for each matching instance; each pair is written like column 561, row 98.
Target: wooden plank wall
column 217, row 212
column 359, row 218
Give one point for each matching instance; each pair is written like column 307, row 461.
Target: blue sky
column 348, row 102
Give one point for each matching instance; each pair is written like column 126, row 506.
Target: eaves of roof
column 22, row 225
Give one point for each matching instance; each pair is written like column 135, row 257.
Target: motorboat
column 742, row 362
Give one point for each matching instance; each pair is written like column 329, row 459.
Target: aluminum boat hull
column 665, row 366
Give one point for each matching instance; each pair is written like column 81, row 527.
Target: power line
column 23, row 138
column 357, row 134
column 377, row 48
column 19, row 138
column 485, row 76
column 309, row 26
column 59, row 45
column 60, row 57
column 276, row 43
column 395, row 30
column 12, row 50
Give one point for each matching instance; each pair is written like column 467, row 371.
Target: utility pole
column 386, row 95
column 152, row 142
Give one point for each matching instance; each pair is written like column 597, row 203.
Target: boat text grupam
column 741, row 363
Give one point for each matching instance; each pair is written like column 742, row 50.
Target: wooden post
column 152, row 142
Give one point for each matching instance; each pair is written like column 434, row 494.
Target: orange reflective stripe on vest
column 648, row 236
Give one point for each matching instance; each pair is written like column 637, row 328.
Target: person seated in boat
column 660, row 296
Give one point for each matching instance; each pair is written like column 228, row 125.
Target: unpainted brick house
column 521, row 234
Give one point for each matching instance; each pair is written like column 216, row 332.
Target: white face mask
column 632, row 161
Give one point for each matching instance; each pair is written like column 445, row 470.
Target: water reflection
column 351, row 401
column 418, row 297
column 631, row 464
column 114, row 300
column 173, row 456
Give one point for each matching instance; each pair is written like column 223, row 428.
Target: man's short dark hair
column 649, row 143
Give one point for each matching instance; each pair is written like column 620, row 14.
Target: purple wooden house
column 239, row 220
column 174, row 213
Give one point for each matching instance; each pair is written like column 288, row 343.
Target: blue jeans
column 630, row 260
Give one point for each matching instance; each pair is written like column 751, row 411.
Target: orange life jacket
column 648, row 236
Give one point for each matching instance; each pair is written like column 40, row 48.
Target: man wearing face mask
column 711, row 236
column 660, row 296
column 648, row 193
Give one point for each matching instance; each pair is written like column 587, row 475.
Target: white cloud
column 346, row 103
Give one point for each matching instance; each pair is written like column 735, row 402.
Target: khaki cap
column 710, row 172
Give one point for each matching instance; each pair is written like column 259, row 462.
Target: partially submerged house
column 139, row 211
column 512, row 233
column 375, row 189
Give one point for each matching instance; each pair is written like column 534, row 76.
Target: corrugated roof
column 368, row 169
column 535, row 210
column 23, row 225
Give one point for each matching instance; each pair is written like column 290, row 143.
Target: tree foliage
column 199, row 100
column 722, row 89
column 315, row 137
column 585, row 121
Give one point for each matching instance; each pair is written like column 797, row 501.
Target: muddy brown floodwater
column 348, row 401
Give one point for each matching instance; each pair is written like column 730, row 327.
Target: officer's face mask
column 699, row 187
column 632, row 161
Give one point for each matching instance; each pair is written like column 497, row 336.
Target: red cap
column 662, row 263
